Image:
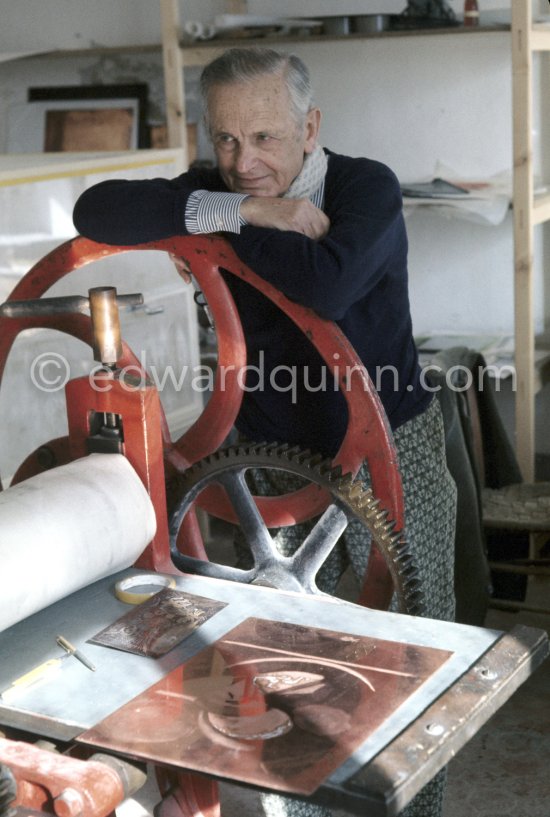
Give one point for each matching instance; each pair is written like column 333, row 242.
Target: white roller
column 68, row 527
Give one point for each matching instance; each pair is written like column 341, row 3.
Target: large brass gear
column 351, row 500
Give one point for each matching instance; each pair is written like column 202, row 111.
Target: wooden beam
column 173, row 77
column 522, row 94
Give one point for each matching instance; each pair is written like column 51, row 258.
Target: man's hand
column 296, row 215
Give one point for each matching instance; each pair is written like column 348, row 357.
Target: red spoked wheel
column 367, row 437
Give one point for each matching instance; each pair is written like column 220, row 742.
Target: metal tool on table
column 70, row 649
column 44, row 670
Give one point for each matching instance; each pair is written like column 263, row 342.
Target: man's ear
column 313, row 123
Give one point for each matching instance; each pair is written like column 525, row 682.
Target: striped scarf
column 311, row 177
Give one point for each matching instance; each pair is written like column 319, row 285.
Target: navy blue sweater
column 355, row 276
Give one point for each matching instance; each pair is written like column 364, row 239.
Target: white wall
column 417, row 100
column 29, row 25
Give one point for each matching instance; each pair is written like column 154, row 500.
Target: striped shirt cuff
column 208, row 212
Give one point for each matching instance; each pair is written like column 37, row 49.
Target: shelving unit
column 529, row 211
column 177, row 56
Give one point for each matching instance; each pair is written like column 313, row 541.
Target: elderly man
column 328, row 231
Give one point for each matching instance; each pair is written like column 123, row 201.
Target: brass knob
column 105, row 325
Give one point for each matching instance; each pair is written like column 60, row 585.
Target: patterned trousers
column 430, row 506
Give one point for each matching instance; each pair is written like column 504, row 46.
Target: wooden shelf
column 204, row 47
column 27, row 168
column 198, row 53
column 96, row 51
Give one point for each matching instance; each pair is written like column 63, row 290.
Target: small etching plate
column 159, row 624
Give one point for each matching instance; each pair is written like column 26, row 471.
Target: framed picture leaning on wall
column 83, row 118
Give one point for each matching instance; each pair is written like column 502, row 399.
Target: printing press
column 124, row 648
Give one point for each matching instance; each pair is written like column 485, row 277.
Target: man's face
column 259, row 145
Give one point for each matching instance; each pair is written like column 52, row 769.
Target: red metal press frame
column 368, row 435
column 135, row 400
column 147, row 442
column 57, row 784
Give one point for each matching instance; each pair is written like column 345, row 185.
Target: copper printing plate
column 273, row 704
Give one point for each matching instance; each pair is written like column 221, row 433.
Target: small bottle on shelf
column 471, row 13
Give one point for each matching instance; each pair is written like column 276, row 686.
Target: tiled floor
column 504, row 771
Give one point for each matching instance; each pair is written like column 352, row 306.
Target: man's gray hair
column 245, row 64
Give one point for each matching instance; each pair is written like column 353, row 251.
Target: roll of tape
column 124, row 592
